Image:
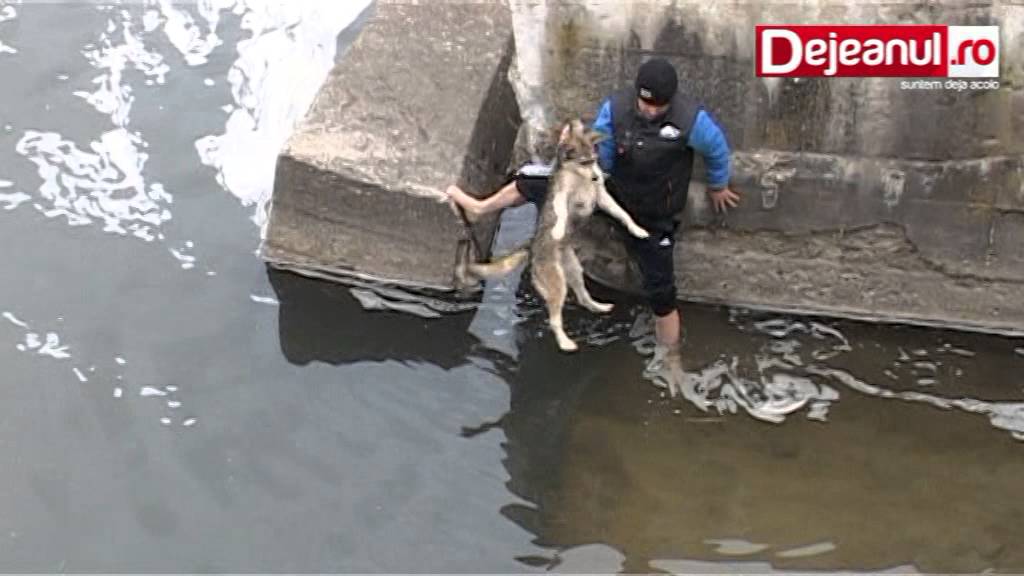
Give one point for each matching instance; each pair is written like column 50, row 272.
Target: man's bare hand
column 724, row 199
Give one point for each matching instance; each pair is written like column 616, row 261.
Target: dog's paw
column 639, row 232
column 566, row 343
column 569, row 346
column 601, row 307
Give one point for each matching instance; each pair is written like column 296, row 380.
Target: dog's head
column 577, row 144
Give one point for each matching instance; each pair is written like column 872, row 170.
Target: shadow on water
column 322, row 321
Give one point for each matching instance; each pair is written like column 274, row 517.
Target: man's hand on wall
column 724, row 199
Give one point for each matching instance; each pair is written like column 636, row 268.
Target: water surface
column 169, row 404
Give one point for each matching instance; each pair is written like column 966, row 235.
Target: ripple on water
column 789, row 374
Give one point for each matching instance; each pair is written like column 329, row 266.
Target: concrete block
column 360, row 185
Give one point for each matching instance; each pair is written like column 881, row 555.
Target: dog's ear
column 563, row 137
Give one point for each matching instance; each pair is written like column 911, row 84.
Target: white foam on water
column 736, row 547
column 53, row 348
column 264, row 300
column 14, row 320
column 278, row 73
column 187, row 260
column 119, row 48
column 807, row 551
column 103, row 187
column 778, row 381
column 7, row 12
column 149, row 391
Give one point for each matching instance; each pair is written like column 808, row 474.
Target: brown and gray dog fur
column 576, row 189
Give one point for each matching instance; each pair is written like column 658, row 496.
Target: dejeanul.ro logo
column 925, row 52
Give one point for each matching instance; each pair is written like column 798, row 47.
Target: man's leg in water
column 667, row 328
column 506, row 196
column 654, row 257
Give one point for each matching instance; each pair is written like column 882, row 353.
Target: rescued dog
column 576, row 188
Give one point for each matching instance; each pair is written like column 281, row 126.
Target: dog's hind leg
column 574, row 277
column 549, row 281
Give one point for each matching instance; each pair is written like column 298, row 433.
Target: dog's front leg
column 609, row 205
column 561, row 208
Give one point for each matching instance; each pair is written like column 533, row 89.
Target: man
column 654, row 131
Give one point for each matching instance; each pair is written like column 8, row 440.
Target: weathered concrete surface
column 421, row 100
column 861, row 199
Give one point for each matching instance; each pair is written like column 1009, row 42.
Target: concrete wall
column 860, row 198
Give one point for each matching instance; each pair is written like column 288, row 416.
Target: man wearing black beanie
column 655, row 132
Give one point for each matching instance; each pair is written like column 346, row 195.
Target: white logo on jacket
column 670, row 132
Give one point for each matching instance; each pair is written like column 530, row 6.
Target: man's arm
column 606, row 147
column 708, row 138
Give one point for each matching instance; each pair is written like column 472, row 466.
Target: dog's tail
column 500, row 266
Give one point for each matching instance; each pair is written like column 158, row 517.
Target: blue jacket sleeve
column 605, row 148
column 708, row 138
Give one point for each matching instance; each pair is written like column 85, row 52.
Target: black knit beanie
column 656, row 82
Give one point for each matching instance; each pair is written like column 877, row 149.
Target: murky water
column 170, row 404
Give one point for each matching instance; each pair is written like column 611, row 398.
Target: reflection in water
column 318, row 321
